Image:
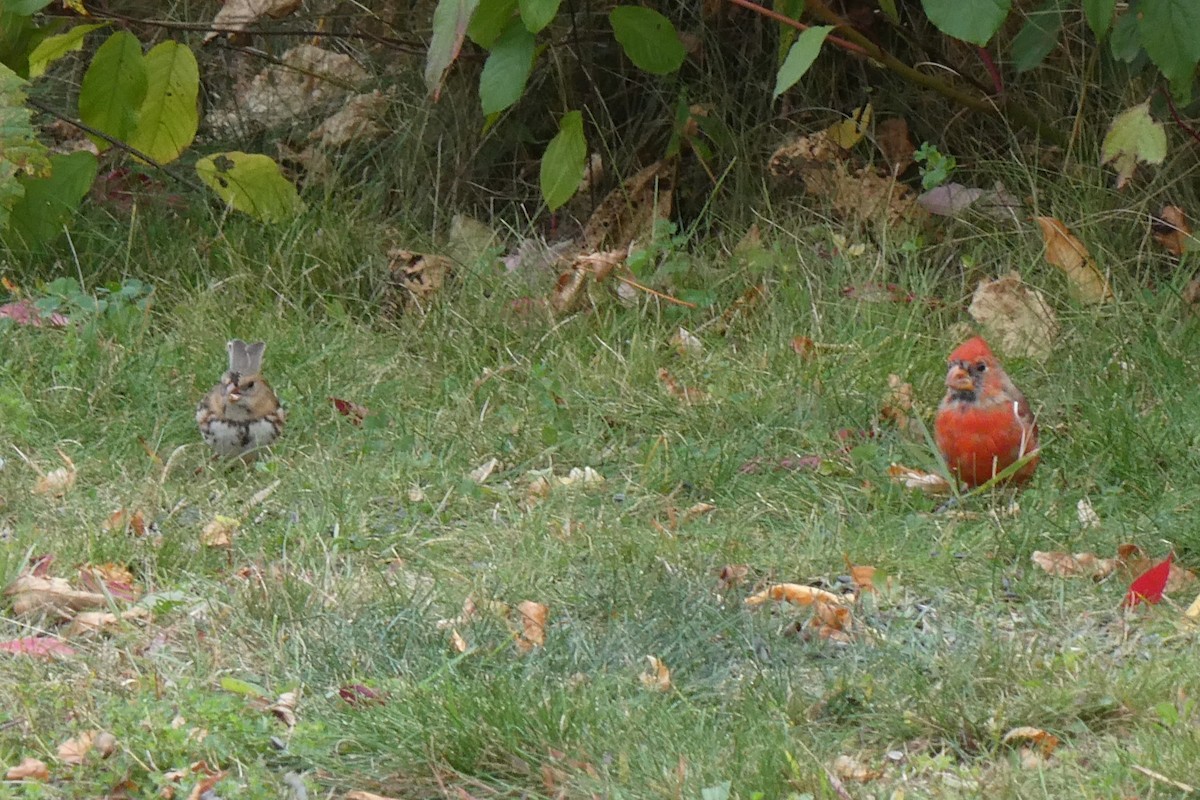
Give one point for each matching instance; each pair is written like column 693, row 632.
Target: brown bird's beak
column 959, row 379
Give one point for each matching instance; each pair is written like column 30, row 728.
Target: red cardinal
column 984, row 423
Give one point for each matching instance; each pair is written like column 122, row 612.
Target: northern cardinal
column 984, row 423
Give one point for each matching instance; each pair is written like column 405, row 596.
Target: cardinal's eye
column 981, row 367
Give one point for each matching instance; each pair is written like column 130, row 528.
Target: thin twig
column 783, row 19
column 1158, row 776
column 992, row 70
column 115, row 142
column 659, row 295
column 1178, row 119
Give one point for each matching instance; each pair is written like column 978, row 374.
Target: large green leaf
column 50, row 200
column 800, row 57
column 490, row 20
column 1134, row 136
column 168, row 118
column 1037, row 37
column 502, row 81
column 563, row 162
column 1099, row 15
column 537, row 14
column 55, row 47
column 1125, row 43
column 974, row 21
column 648, row 38
column 1170, row 32
column 24, row 7
column 114, row 87
column 20, row 151
column 450, row 20
column 252, row 183
column 787, row 34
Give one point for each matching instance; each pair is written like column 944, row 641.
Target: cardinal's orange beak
column 959, row 379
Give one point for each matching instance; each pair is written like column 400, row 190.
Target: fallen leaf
column 910, row 478
column 629, row 212
column 803, row 347
column 795, row 593
column 949, row 199
column 1016, row 319
column 850, row 131
column 237, row 15
column 1170, row 229
column 57, row 482
column 484, row 471
column 33, row 594
column 687, row 394
column 413, row 281
column 24, row 312
column 350, row 409
column 356, row 694
column 358, row 794
column 1046, row 742
column 105, row 744
column 457, row 642
column 1065, row 251
column 851, row 769
column 657, row 676
column 219, row 531
column 731, row 576
column 892, row 139
column 1066, row 565
column 1133, row 136
column 30, row 769
column 1088, row 518
column 533, row 625
column 284, row 708
column 687, row 343
column 89, row 622
column 862, row 575
column 1193, row 611
column 897, row 403
column 37, row 646
column 122, row 519
column 356, row 121
column 785, row 464
column 1150, row 585
column 74, row 750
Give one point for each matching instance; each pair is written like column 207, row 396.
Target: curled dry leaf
column 910, row 478
column 358, row 794
column 349, row 409
column 122, row 519
column 831, row 622
column 74, row 750
column 629, row 212
column 657, row 676
column 1026, row 735
column 219, row 531
column 795, row 593
column 413, row 280
column 533, row 618
column 1063, row 250
column 356, row 121
column 236, row 16
column 897, row 403
column 30, row 769
column 89, row 622
column 891, row 136
column 57, row 482
column 848, row 132
column 849, row 768
column 105, row 744
column 33, row 594
column 687, row 394
column 284, row 708
column 1067, row 565
column 862, row 575
column 1170, row 229
column 484, row 471
column 687, row 343
column 731, row 576
column 457, row 642
column 804, row 347
column 1088, row 518
column 1015, row 317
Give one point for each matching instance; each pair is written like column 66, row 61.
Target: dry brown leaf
column 657, row 676
column 57, row 482
column 33, row 594
column 237, row 15
column 891, row 136
column 73, row 751
column 533, row 618
column 30, row 769
column 1066, row 565
column 849, row 768
column 413, row 281
column 1171, row 230
column 1193, row 611
column 910, row 478
column 219, row 531
column 105, row 744
column 484, row 471
column 746, row 305
column 284, row 708
column 898, row 402
column 356, row 121
column 731, row 576
column 457, row 642
column 1016, row 319
column 1065, row 251
column 697, row 510
column 628, row 213
column 1088, row 518
column 1036, row 737
column 795, row 593
column 862, row 575
column 804, row 347
column 751, row 242
column 358, row 794
column 687, row 394
column 89, row 622
column 687, row 343
column 120, row 519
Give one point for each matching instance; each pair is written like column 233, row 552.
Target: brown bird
column 984, row 424
column 241, row 414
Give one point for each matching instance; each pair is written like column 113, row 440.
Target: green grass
column 339, row 577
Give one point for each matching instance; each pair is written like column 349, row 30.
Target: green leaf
column 50, row 200
column 55, row 47
column 24, row 8
column 245, row 688
column 537, row 14
column 800, row 57
column 1125, row 44
column 490, row 20
column 20, row 151
column 450, row 20
column 889, row 8
column 563, row 162
column 114, row 87
column 1037, row 37
column 787, row 34
column 974, row 21
column 648, row 38
column 252, row 183
column 506, row 70
column 168, row 118
column 1099, row 15
column 1133, row 136
column 1170, row 32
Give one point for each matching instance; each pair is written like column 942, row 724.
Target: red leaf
column 23, row 312
column 357, row 694
column 39, row 646
column 1150, row 584
column 349, row 409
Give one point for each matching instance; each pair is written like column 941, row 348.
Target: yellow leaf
column 1065, row 251
column 793, row 593
column 656, row 676
column 849, row 132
